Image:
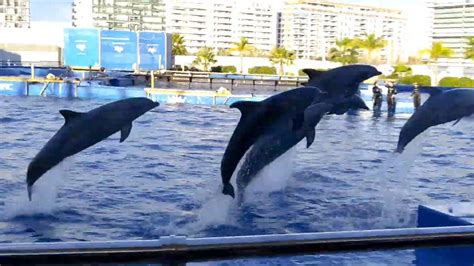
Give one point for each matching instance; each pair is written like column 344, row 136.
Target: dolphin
column 279, row 138
column 256, row 118
column 337, row 87
column 441, row 107
column 340, row 81
column 342, row 85
column 82, row 130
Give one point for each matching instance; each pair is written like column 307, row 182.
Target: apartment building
column 136, row 15
column 311, row 27
column 453, row 22
column 15, row 13
column 212, row 23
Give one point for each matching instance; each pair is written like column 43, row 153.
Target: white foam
column 395, row 185
column 273, row 177
column 219, row 209
column 44, row 194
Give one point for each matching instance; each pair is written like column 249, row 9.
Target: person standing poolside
column 391, row 98
column 377, row 98
column 416, row 96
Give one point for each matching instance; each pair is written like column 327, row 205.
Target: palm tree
column 345, row 52
column 178, row 45
column 370, row 43
column 436, row 52
column 243, row 47
column 469, row 51
column 205, row 57
column 280, row 56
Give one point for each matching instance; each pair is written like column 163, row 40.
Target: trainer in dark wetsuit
column 416, row 96
column 377, row 98
column 391, row 98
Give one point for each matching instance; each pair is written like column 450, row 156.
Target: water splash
column 44, row 194
column 219, row 209
column 274, row 177
column 396, row 185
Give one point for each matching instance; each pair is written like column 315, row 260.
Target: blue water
column 165, row 178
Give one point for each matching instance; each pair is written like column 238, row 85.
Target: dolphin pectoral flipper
column 457, row 121
column 69, row 115
column 125, row 132
column 312, row 115
column 310, row 135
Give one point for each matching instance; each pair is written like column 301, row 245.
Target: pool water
column 165, row 178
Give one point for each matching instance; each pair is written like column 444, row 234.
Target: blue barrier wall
column 118, row 50
column 81, row 47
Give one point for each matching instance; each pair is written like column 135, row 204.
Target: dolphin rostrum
column 82, row 130
column 441, row 107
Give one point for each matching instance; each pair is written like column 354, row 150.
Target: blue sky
column 60, row 10
column 51, row 10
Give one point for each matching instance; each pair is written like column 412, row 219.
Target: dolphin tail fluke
column 30, row 191
column 228, row 190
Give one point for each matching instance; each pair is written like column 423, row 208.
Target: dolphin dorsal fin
column 312, row 73
column 69, row 115
column 247, row 107
column 435, row 91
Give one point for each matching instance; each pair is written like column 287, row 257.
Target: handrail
column 248, row 76
column 179, row 249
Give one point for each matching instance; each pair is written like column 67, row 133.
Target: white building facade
column 14, row 13
column 311, row 27
column 212, row 23
column 453, row 22
column 136, row 15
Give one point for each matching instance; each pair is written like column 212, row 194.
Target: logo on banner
column 151, row 49
column 81, row 46
column 118, row 48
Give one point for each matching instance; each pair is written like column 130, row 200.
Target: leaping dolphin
column 339, row 86
column 279, row 138
column 82, row 130
column 441, row 107
column 340, row 81
column 256, row 118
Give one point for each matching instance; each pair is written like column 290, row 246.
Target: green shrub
column 229, row 69
column 466, row 82
column 402, row 69
column 217, row 69
column 224, row 69
column 456, row 82
column 422, row 80
column 263, row 70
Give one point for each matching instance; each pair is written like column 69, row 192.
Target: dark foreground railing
column 179, row 250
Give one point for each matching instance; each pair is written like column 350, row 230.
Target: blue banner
column 152, row 50
column 118, row 50
column 81, row 48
